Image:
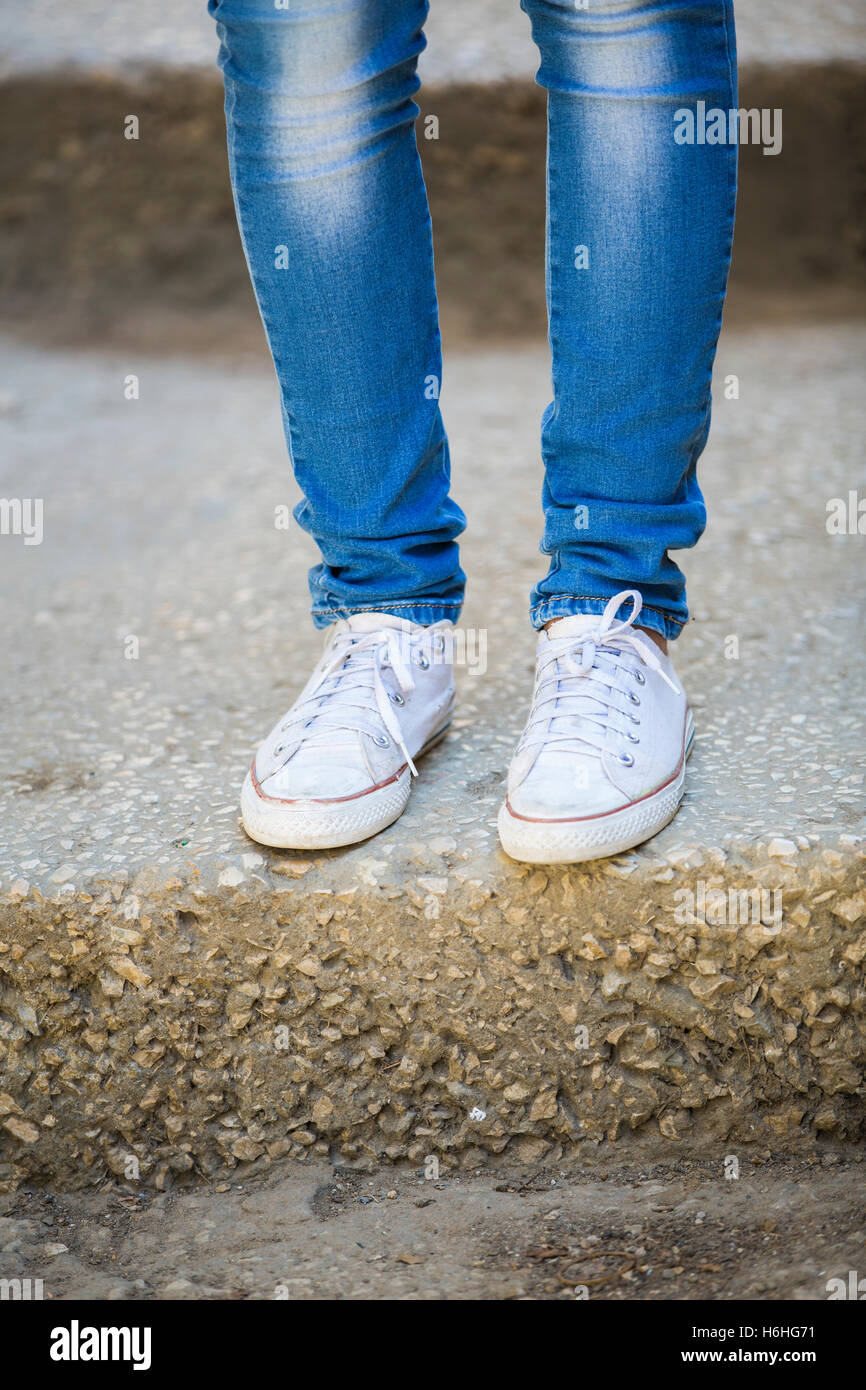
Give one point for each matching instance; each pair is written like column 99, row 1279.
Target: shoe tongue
column 567, row 711
column 574, row 626
column 374, row 622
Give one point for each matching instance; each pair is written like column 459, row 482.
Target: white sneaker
column 337, row 768
column 600, row 766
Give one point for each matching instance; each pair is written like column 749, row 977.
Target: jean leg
column 639, row 237
column 334, row 220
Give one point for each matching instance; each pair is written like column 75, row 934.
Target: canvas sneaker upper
column 608, row 720
column 381, row 689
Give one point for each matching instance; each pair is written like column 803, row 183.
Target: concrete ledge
column 402, row 1007
column 173, row 995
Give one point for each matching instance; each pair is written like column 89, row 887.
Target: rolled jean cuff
column 413, row 612
column 567, row 605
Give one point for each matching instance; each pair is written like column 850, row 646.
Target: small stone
column 544, row 1106
column 64, row 873
column 21, row 1129
column 706, row 987
column 683, row 856
column 118, row 1292
column 126, row 935
column 231, row 877
column 675, row 1124
column 781, row 849
column 179, row 1288
column 443, row 844
column 850, row 909
column 246, row 1149
column 27, row 1016
column 128, row 970
column 531, row 1150
column 434, row 885
column 322, row 1111
column 613, row 984
column 295, row 868
column 591, row 949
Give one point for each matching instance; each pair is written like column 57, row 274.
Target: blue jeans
column 335, row 225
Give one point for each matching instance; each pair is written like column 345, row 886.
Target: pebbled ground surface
column 675, row 1230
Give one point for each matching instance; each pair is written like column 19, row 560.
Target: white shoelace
column 581, row 678
column 351, row 691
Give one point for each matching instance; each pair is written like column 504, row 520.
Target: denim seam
column 703, row 434
column 600, row 598
column 728, row 15
column 551, row 266
column 256, row 280
column 383, row 605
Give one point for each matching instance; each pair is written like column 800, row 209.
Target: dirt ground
column 780, row 1230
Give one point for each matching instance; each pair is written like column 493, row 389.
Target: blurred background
column 107, row 239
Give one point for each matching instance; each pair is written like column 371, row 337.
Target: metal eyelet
column 398, row 699
column 639, row 677
column 626, row 759
column 278, row 750
column 381, row 741
column 635, row 699
column 439, row 644
column 632, row 738
column 423, row 663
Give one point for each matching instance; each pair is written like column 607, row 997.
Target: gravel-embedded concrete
column 173, row 994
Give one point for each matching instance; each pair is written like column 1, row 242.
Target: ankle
column 660, row 641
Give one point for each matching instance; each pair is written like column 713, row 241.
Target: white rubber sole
column 326, row 824
column 595, row 837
